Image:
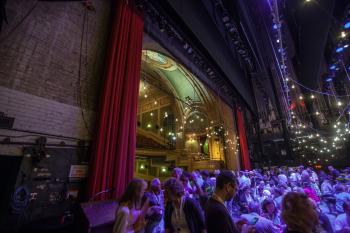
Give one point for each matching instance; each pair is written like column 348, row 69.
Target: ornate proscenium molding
column 173, row 37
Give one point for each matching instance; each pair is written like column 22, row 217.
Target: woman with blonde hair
column 130, row 216
column 298, row 213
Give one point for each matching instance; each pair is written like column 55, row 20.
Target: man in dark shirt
column 217, row 216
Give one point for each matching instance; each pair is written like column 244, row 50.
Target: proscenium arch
column 180, row 81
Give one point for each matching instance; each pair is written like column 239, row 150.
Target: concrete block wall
column 39, row 65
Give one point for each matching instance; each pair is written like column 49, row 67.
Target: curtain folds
column 245, row 161
column 114, row 145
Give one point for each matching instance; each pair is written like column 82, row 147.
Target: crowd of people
column 280, row 199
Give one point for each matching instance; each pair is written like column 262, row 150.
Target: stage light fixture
column 333, row 67
column 329, row 79
column 342, row 34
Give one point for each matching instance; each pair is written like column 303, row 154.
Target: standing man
column 155, row 196
column 176, row 173
column 217, row 216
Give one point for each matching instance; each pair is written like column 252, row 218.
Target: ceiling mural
column 158, row 60
column 184, row 86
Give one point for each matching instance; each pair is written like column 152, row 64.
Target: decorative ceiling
column 183, row 85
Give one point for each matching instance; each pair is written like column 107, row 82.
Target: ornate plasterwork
column 158, row 60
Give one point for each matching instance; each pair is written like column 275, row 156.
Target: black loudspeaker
column 98, row 217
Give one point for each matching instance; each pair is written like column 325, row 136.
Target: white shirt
column 125, row 219
column 341, row 222
column 282, row 178
column 262, row 225
column 293, row 177
column 178, row 219
column 326, row 188
column 244, row 181
column 314, row 177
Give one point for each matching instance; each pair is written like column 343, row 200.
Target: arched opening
column 181, row 122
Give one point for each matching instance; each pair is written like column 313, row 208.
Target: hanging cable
column 79, row 98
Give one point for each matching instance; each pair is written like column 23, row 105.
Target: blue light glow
column 345, row 46
column 340, row 49
column 332, row 67
column 329, row 79
column 275, row 26
column 347, row 25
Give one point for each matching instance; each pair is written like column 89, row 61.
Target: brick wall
column 39, row 64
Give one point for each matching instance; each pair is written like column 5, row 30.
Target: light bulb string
column 283, row 55
column 282, row 70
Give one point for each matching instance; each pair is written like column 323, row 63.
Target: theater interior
column 94, row 93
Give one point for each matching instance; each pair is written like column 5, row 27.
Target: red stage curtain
column 243, row 140
column 113, row 151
